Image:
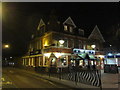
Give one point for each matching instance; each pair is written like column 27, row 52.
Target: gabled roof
column 96, row 34
column 69, row 21
column 40, row 24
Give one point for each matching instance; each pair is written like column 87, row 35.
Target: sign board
column 78, row 51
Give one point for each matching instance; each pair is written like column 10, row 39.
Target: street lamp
column 110, row 45
column 6, row 46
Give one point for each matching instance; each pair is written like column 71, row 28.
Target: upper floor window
column 80, row 44
column 71, row 29
column 42, row 29
column 81, row 32
column 65, row 28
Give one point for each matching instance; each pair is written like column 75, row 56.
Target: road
column 15, row 78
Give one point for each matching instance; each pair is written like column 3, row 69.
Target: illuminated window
column 81, row 62
column 71, row 29
column 65, row 28
column 23, row 61
column 32, row 63
column 29, row 61
column 53, row 61
column 39, row 61
column 91, row 62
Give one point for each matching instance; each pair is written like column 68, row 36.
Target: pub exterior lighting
column 61, row 41
column 93, row 46
column 10, row 57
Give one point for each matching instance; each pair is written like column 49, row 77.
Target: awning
column 87, row 56
column 92, row 57
column 84, row 55
column 76, row 57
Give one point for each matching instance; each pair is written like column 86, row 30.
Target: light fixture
column 110, row 54
column 47, row 55
column 61, row 41
column 93, row 46
column 10, row 57
column 6, row 46
column 58, row 54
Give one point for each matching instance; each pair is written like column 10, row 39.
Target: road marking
column 52, row 83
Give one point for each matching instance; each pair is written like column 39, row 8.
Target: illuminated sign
column 110, row 55
column 77, row 51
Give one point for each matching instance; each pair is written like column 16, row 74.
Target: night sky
column 20, row 20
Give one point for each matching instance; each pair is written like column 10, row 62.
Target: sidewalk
column 108, row 80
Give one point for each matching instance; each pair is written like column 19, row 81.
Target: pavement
column 108, row 81
column 7, row 83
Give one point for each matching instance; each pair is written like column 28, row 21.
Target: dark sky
column 20, row 20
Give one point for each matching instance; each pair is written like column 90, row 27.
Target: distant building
column 56, row 44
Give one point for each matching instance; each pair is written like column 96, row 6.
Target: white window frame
column 71, row 29
column 65, row 28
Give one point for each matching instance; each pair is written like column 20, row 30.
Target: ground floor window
column 53, row 61
column 72, row 62
column 86, row 62
column 80, row 62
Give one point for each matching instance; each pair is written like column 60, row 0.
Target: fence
column 89, row 77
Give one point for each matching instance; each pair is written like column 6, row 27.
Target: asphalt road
column 14, row 78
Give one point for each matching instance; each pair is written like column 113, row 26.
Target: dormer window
column 65, row 27
column 81, row 32
column 71, row 29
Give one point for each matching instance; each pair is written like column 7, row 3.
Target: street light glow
column 10, row 57
column 6, row 46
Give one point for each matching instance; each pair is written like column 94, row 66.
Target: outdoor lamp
column 6, row 46
column 93, row 46
column 61, row 41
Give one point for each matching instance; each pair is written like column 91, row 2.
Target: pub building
column 60, row 43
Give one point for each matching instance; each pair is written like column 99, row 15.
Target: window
column 71, row 29
column 53, row 60
column 65, row 44
column 71, row 43
column 40, row 61
column 80, row 62
column 80, row 44
column 65, row 28
column 81, row 32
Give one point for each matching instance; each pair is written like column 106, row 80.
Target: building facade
column 59, row 44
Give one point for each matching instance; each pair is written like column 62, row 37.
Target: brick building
column 58, row 44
